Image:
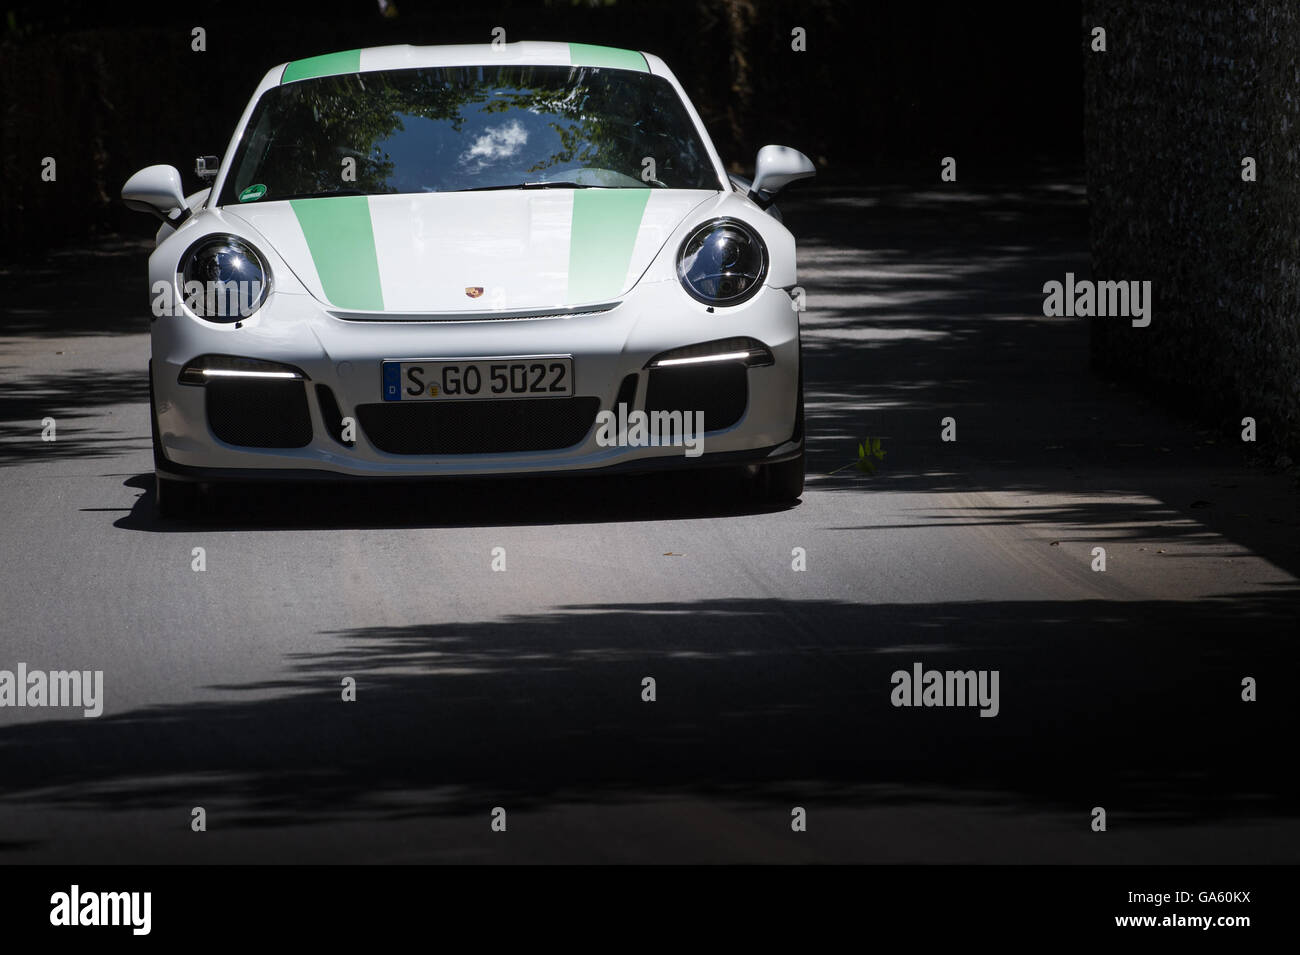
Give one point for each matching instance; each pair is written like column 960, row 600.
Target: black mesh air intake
column 720, row 390
column 259, row 413
column 478, row 427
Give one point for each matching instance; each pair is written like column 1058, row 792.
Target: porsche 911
column 472, row 261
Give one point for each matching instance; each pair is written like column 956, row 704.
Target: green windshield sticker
column 253, row 193
column 342, row 245
column 601, row 238
column 583, row 54
column 330, row 64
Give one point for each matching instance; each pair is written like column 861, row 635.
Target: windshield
column 451, row 129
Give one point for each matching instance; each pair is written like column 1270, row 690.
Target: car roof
column 407, row 56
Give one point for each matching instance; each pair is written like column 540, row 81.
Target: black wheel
column 177, row 500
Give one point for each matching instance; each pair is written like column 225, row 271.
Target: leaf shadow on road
column 927, row 305
column 82, row 403
column 762, row 704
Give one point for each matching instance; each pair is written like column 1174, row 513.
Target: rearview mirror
column 775, row 168
column 157, row 190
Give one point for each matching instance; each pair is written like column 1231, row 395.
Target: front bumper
column 346, row 356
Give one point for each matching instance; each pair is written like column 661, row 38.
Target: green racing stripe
column 341, row 240
column 349, row 61
column 328, row 64
column 601, row 238
column 583, row 54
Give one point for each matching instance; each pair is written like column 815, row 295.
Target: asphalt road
column 523, row 689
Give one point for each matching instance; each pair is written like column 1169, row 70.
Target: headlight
column 223, row 279
column 722, row 262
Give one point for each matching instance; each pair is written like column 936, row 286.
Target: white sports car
column 471, row 260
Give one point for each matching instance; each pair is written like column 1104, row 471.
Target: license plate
column 541, row 376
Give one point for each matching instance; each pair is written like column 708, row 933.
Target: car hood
column 472, row 252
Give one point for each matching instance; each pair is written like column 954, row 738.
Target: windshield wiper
column 550, row 184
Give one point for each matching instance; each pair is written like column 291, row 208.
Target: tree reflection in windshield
column 459, row 128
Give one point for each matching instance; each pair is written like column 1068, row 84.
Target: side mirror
column 156, row 190
column 775, row 168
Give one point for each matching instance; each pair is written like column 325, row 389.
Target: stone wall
column 1183, row 93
